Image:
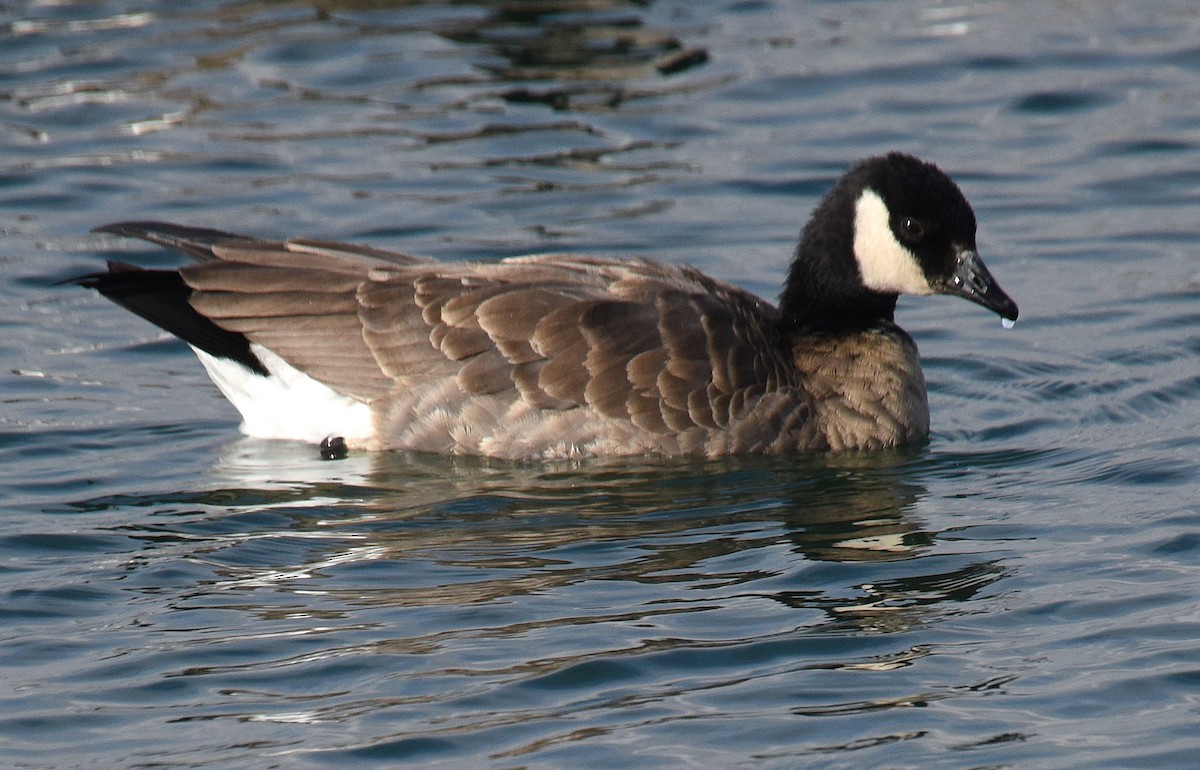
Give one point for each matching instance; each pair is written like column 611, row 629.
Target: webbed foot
column 334, row 448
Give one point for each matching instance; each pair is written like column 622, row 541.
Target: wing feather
column 663, row 348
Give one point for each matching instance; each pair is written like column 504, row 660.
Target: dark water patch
column 1179, row 545
column 1149, row 472
column 810, row 188
column 20, row 606
column 399, row 749
column 1175, row 318
column 1013, row 429
column 1146, row 146
column 1187, row 58
column 1102, row 467
column 44, row 544
column 1139, row 359
column 1145, row 404
column 996, row 62
column 587, row 675
column 1105, row 467
column 42, row 200
column 222, row 499
column 813, row 85
column 605, row 158
column 950, row 463
column 1072, row 390
column 1161, row 187
column 980, row 370
column 1061, row 102
column 1077, row 53
column 891, row 603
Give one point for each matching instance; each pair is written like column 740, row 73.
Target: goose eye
column 912, row 229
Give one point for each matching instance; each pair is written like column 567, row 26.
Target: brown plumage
column 542, row 356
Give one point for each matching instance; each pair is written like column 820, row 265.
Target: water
column 1020, row 592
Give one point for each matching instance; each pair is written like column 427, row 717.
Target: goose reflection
column 677, row 514
column 650, row 543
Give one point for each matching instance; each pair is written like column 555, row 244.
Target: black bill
column 971, row 280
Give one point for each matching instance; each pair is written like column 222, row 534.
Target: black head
column 892, row 225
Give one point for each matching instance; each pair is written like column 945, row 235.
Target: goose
column 566, row 356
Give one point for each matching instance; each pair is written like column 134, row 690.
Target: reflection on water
column 452, row 597
column 835, row 508
column 277, row 516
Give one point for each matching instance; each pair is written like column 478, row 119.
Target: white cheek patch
column 885, row 264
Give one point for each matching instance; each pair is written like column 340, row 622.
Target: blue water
column 1022, row 591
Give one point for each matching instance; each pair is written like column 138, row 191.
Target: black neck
column 831, row 316
column 826, row 295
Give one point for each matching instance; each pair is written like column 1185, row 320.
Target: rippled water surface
column 1022, row 591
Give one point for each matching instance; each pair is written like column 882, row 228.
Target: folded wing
column 663, row 347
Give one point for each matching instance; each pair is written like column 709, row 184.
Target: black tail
column 161, row 297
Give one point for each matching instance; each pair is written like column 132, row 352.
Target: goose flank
column 568, row 356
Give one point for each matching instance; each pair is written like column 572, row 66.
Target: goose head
column 892, row 225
